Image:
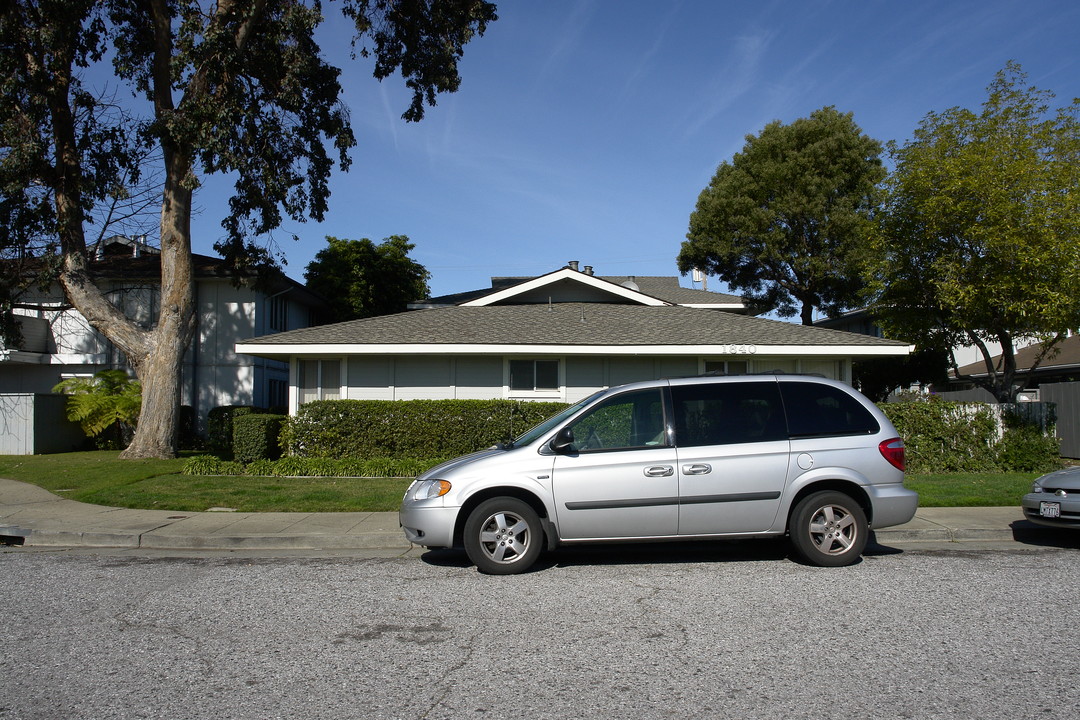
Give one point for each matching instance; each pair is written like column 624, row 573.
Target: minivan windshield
column 553, row 421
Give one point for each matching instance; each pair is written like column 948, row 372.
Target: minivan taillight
column 893, row 451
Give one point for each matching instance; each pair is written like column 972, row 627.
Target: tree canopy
column 233, row 86
column 978, row 243
column 361, row 279
column 785, row 221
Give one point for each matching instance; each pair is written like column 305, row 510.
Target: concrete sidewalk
column 35, row 517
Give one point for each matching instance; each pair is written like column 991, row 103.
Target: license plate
column 1050, row 509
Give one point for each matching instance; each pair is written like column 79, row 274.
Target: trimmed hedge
column 255, row 437
column 408, row 428
column 219, row 426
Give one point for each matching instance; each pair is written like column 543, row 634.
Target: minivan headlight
column 427, row 489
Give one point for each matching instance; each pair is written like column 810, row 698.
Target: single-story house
column 560, row 337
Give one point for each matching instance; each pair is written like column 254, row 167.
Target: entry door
column 619, row 478
column 733, row 455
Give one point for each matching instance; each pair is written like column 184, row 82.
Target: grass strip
column 100, row 477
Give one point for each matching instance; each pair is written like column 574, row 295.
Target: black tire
column 503, row 536
column 828, row 529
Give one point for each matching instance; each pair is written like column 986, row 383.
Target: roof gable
column 566, row 285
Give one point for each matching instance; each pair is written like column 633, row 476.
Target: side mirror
column 563, row 442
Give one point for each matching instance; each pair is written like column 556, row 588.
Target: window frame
column 554, row 393
column 320, row 387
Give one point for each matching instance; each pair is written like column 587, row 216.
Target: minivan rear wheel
column 828, row 529
column 503, row 536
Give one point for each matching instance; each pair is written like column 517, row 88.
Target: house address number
column 738, row 349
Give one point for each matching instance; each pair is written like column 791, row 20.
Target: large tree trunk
column 159, row 364
column 155, row 354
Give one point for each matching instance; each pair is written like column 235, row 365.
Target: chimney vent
column 588, row 270
column 573, row 265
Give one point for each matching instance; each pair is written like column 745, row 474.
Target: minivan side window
column 815, row 410
column 629, row 420
column 727, row 413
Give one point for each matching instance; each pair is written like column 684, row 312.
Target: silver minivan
column 680, row 459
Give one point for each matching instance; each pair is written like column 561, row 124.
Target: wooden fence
column 1066, row 398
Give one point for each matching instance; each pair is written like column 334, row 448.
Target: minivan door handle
column 659, row 471
column 697, row 469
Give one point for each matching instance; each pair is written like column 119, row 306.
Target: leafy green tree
column 233, row 86
column 361, row 279
column 786, row 220
column 978, row 244
column 106, row 404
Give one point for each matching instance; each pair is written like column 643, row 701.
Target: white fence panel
column 35, row 423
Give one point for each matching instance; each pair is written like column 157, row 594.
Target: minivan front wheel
column 828, row 529
column 503, row 536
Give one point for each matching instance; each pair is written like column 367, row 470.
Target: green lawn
column 101, row 478
column 970, row 489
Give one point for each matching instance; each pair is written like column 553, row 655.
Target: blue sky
column 584, row 130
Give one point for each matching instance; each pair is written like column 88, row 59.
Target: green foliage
column 211, row 465
column 408, row 429
column 977, row 241
column 255, row 437
column 219, row 426
column 950, row 437
column 238, row 88
column 1029, row 443
column 361, row 279
column 786, row 220
column 310, row 467
column 107, row 403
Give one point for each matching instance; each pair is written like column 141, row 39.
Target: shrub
column 1027, row 449
column 408, row 428
column 219, row 426
column 211, row 465
column 255, row 437
column 943, row 436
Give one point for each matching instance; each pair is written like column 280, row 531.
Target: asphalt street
column 730, row 629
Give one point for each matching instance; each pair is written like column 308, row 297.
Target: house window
column 319, row 380
column 277, row 393
column 726, row 367
column 279, row 313
column 534, row 375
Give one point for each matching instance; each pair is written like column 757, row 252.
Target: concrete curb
column 34, row 517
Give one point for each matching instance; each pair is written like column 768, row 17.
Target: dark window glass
column 631, row 420
column 547, row 374
column 726, row 413
column 534, row 374
column 815, row 410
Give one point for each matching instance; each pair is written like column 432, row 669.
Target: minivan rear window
column 727, row 413
column 816, row 410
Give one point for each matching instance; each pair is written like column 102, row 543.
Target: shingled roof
column 570, row 327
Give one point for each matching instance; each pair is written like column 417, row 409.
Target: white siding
column 423, row 377
column 403, row 377
column 370, row 378
column 584, row 376
column 478, row 378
